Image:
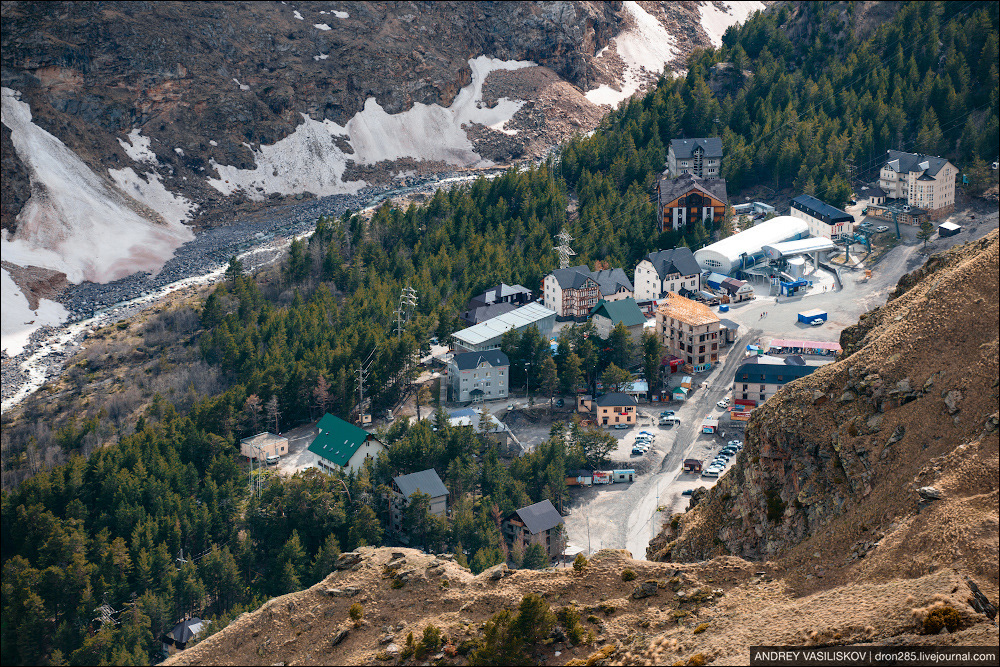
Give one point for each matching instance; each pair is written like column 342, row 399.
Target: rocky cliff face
column 837, row 462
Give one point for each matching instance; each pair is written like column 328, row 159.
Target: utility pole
column 407, row 301
column 565, row 252
column 362, row 373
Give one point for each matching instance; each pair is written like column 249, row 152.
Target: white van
column 710, row 473
column 272, row 460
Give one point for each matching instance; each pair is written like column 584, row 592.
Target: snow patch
column 645, row 47
column 321, row 26
column 340, row 15
column 18, row 321
column 242, row 86
column 213, row 142
column 308, row 160
column 138, row 147
column 322, row 56
column 75, row 221
column 715, row 21
column 179, row 151
column 151, row 192
column 296, row 14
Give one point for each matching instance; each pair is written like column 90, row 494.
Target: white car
column 881, row 228
column 816, row 323
column 724, row 403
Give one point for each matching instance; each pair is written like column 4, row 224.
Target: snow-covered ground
column 309, row 160
column 19, row 321
column 715, row 21
column 151, row 192
column 645, row 47
column 76, row 222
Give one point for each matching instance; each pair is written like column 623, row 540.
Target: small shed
column 263, row 446
column 603, row 477
column 579, row 478
column 710, row 424
column 946, row 229
column 692, row 465
column 624, row 475
column 686, row 381
column 679, row 393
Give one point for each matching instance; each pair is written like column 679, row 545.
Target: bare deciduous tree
column 252, row 407
column 273, row 414
column 322, row 393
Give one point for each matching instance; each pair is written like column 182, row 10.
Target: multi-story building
column 922, row 181
column 701, row 157
column 479, row 376
column 573, row 292
column 540, row 523
column 684, row 200
column 666, row 271
column 824, row 221
column 426, row 482
column 761, row 377
column 343, row 446
column 487, row 335
column 609, row 314
column 690, row 331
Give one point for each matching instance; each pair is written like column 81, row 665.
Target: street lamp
column 527, row 379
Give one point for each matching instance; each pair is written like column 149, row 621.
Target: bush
column 432, row 638
column 701, row 628
column 356, row 612
column 628, row 575
column 579, row 562
column 943, row 617
column 697, row 660
column 397, row 583
column 569, row 618
column 608, row 609
column 506, row 634
column 468, row 646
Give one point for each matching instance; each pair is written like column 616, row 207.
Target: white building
column 666, row 271
column 743, row 250
column 824, row 221
column 486, row 335
column 263, row 446
column 342, row 446
column 923, row 181
column 479, row 376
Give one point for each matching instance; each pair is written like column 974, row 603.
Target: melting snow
column 151, row 192
column 321, row 26
column 322, row 56
column 308, row 160
column 715, row 21
column 645, row 48
column 74, row 221
column 179, row 151
column 19, row 321
column 242, row 86
column 138, row 148
column 340, row 15
column 213, row 142
column 297, row 15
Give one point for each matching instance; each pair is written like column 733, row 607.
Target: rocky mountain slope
column 866, row 496
column 167, row 116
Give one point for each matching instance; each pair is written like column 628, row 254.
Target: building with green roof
column 340, row 445
column 607, row 314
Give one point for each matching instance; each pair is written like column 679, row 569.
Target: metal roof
column 615, row 400
column 814, row 344
column 672, row 261
column 523, row 317
column 425, row 481
column 672, row 188
column 264, row 439
column 820, row 210
column 751, row 241
column 797, row 247
column 626, row 311
column 469, row 360
column 683, row 148
column 755, row 373
column 539, row 517
column 337, row 440
column 902, row 162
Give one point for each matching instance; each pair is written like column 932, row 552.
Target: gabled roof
column 674, row 260
column 469, row 360
column 477, row 314
column 497, row 292
column 337, row 440
column 187, row 630
column 821, row 210
column 539, row 517
column 264, row 439
column 519, row 318
column 872, row 191
column 672, row 188
column 611, row 280
column 615, row 400
column 626, row 311
column 902, row 163
column 425, row 481
column 579, row 473
column 686, row 310
column 732, row 285
column 684, row 148
column 572, row 277
column 781, row 373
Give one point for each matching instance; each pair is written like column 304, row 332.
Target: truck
column 807, row 316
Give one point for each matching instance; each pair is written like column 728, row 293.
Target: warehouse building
column 741, row 251
column 486, row 335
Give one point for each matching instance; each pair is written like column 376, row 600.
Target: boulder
column 338, row 636
column 951, row 399
column 497, row 572
column 929, row 493
column 644, row 590
column 347, row 560
column 345, row 592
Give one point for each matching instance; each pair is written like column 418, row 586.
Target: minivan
column 272, row 460
column 710, row 473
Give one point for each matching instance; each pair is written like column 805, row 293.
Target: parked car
column 560, row 403
column 647, row 433
column 667, row 413
column 816, row 323
column 724, row 403
column 710, row 473
column 638, row 452
column 881, row 228
column 621, row 427
column 687, row 492
column 735, row 442
column 670, row 421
